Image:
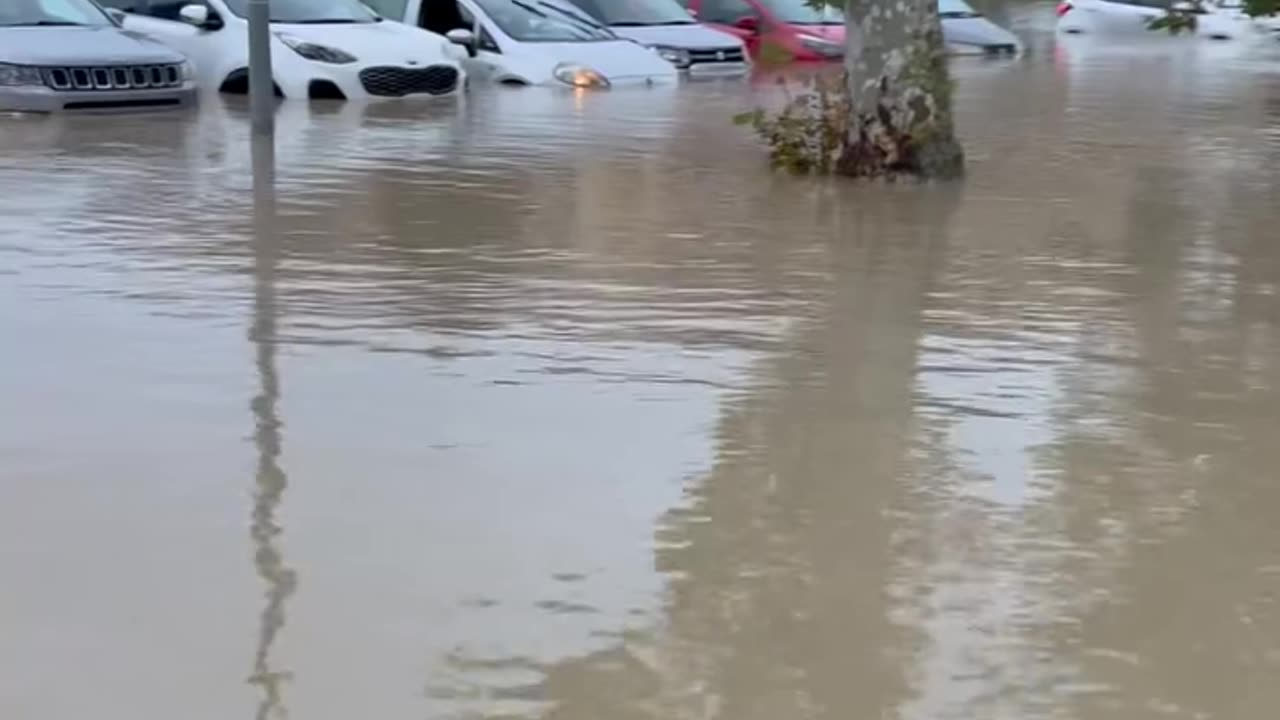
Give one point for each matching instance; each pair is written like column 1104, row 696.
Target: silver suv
column 72, row 55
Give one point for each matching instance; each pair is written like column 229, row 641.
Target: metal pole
column 261, row 88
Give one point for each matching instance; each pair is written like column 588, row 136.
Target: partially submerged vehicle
column 323, row 49
column 668, row 28
column 533, row 42
column 72, row 55
column 1216, row 19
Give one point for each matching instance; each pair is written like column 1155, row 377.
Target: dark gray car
column 71, row 55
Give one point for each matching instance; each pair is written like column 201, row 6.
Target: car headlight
column 676, row 56
column 579, row 76
column 187, row 71
column 14, row 75
column 315, row 52
column 826, row 48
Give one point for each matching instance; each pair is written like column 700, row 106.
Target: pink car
column 796, row 30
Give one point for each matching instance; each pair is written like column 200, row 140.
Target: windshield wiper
column 322, row 21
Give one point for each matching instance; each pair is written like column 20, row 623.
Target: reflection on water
column 589, row 416
column 271, row 480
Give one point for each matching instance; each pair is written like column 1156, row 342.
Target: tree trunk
column 899, row 91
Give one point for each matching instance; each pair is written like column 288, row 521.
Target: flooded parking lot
column 555, row 405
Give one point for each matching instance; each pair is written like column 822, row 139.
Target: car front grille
column 1001, row 49
column 715, row 55
column 112, row 77
column 399, row 81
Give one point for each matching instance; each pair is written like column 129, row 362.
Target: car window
column 315, row 12
column 725, row 12
column 164, row 9
column 956, row 9
column 800, row 12
column 636, row 12
column 393, row 9
column 541, row 21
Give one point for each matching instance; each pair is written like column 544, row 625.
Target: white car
column 1217, row 19
column 533, row 42
column 322, row 49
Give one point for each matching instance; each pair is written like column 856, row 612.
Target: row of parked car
column 100, row 54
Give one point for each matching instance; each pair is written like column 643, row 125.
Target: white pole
column 261, row 87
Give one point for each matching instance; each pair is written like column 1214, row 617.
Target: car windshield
column 799, row 12
column 538, row 21
column 956, row 9
column 311, row 12
column 35, row 13
column 636, row 12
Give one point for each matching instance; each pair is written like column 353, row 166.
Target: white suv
column 1218, row 19
column 323, row 49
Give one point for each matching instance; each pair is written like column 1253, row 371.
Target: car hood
column 615, row 59
column 384, row 41
column 975, row 31
column 680, row 36
column 107, row 45
column 831, row 33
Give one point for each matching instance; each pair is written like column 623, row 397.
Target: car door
column 487, row 61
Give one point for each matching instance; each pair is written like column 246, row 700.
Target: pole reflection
column 270, row 479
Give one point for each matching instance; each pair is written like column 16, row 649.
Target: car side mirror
column 463, row 37
column 117, row 14
column 750, row 24
column 195, row 15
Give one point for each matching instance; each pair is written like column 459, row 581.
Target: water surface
column 562, row 406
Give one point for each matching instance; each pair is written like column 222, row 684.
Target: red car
column 776, row 29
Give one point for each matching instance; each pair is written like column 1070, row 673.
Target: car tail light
column 1064, row 8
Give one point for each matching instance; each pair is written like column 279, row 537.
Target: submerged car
column 796, row 30
column 967, row 32
column 320, row 49
column 667, row 27
column 1217, row 19
column 533, row 42
column 790, row 29
column 71, row 55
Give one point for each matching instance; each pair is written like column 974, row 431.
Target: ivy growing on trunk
column 888, row 114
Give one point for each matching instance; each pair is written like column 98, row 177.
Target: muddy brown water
column 562, row 406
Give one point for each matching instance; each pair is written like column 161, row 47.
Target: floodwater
column 557, row 406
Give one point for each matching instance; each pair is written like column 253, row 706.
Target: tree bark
column 899, row 92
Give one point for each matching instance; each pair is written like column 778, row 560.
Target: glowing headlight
column 579, row 76
column 826, row 48
column 13, row 75
column 317, row 53
column 676, row 56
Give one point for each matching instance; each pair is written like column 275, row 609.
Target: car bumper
column 984, row 50
column 41, row 99
column 717, row 70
